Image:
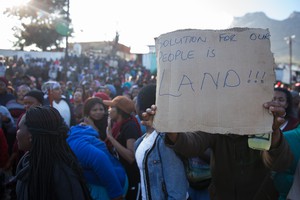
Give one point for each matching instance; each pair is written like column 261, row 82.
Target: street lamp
column 289, row 42
column 67, row 35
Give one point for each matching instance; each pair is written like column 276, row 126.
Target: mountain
column 279, row 30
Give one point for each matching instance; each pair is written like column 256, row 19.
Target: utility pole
column 67, row 35
column 289, row 42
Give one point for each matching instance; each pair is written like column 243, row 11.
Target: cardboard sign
column 214, row 81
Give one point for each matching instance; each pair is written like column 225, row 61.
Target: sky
column 138, row 22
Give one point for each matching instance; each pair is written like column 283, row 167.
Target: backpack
column 198, row 172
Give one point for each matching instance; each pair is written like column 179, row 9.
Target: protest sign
column 214, row 81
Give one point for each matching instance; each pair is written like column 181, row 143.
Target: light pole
column 67, row 35
column 289, row 42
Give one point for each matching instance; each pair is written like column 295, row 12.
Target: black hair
column 146, row 97
column 49, row 150
column 289, row 100
column 37, row 94
column 84, row 94
column 124, row 114
column 100, row 124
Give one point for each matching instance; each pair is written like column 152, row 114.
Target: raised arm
column 197, row 142
column 279, row 157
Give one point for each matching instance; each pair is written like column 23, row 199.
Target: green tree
column 45, row 23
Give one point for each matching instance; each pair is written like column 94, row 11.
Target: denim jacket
column 164, row 174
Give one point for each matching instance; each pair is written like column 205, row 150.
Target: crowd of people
column 85, row 131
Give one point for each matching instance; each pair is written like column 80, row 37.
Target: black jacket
column 238, row 172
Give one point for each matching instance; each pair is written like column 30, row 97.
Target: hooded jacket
column 99, row 166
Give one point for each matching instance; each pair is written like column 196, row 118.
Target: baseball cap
column 121, row 102
column 102, row 96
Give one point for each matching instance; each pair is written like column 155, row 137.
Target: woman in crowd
column 31, row 99
column 48, row 169
column 283, row 97
column 8, row 125
column 161, row 170
column 95, row 114
column 3, row 149
column 122, row 137
column 78, row 107
column 283, row 180
column 5, row 96
column 104, row 173
column 81, row 89
column 16, row 106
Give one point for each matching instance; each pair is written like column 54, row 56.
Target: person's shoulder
column 292, row 133
column 129, row 123
column 67, row 101
column 3, row 109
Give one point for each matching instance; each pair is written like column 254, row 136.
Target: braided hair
column 49, row 150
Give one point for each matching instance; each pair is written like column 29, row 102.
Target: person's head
column 284, row 98
column 62, row 85
column 11, row 90
column 33, row 98
column 296, row 98
column 94, row 108
column 56, row 93
column 102, row 88
column 81, row 89
column 95, row 85
column 111, row 90
column 78, row 97
column 86, row 85
column 113, row 113
column 43, row 125
column 3, row 85
column 134, row 90
column 145, row 99
column 124, row 106
column 21, row 91
column 117, row 82
column 102, row 95
column 69, row 85
column 54, row 88
column 43, row 132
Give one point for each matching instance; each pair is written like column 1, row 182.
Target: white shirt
column 146, row 144
column 64, row 110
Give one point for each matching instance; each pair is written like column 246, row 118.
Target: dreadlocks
column 49, row 152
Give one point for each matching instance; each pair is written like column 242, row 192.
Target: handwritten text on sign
column 214, row 81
